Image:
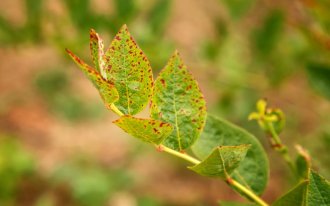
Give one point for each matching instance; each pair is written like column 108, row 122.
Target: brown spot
column 189, row 87
column 163, row 82
column 162, row 124
column 118, row 38
column 155, row 130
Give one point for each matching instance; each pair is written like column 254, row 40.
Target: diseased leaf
column 97, row 51
column 314, row 191
column 222, row 161
column 253, row 172
column 178, row 100
column 148, row 130
column 106, row 89
column 129, row 69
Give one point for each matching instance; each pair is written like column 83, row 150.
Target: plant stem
column 116, row 110
column 280, row 147
column 247, row 192
column 195, row 161
column 179, row 154
column 230, row 181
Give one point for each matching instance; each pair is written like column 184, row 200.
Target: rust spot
column 163, row 82
column 189, row 87
column 162, row 124
column 118, row 38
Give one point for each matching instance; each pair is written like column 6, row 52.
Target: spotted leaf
column 106, row 89
column 129, row 69
column 178, row 100
column 222, row 161
column 148, row 130
column 97, row 51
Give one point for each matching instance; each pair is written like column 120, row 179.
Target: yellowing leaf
column 129, row 69
column 97, row 52
column 178, row 100
column 106, row 89
column 148, row 130
column 222, row 161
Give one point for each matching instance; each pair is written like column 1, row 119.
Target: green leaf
column 148, row 130
column 222, row 161
column 178, row 100
column 294, row 197
column 303, row 162
column 253, row 172
column 129, row 69
column 315, row 191
column 97, row 52
column 106, row 89
column 319, row 77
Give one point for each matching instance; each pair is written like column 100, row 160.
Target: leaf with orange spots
column 106, row 89
column 97, row 52
column 129, row 69
column 148, row 130
column 178, row 100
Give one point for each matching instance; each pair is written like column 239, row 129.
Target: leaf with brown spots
column 106, row 89
column 178, row 100
column 129, row 69
column 97, row 52
column 148, row 130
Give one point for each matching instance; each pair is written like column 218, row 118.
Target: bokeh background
column 57, row 143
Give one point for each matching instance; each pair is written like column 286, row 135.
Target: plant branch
column 280, row 147
column 179, row 154
column 246, row 192
column 230, row 181
column 195, row 161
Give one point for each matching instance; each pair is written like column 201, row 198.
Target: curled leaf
column 106, row 89
column 222, row 161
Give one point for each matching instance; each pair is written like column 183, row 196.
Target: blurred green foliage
column 56, row 89
column 91, row 184
column 16, row 165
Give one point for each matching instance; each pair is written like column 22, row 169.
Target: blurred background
column 57, row 143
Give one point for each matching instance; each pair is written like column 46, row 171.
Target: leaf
column 303, row 162
column 315, row 191
column 319, row 78
column 294, row 197
column 178, row 101
column 148, row 130
column 253, row 172
column 130, row 70
column 97, row 52
column 106, row 89
column 222, row 161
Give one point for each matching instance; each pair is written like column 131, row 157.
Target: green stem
column 195, row 161
column 179, row 154
column 247, row 192
column 232, row 182
column 116, row 110
column 280, row 147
